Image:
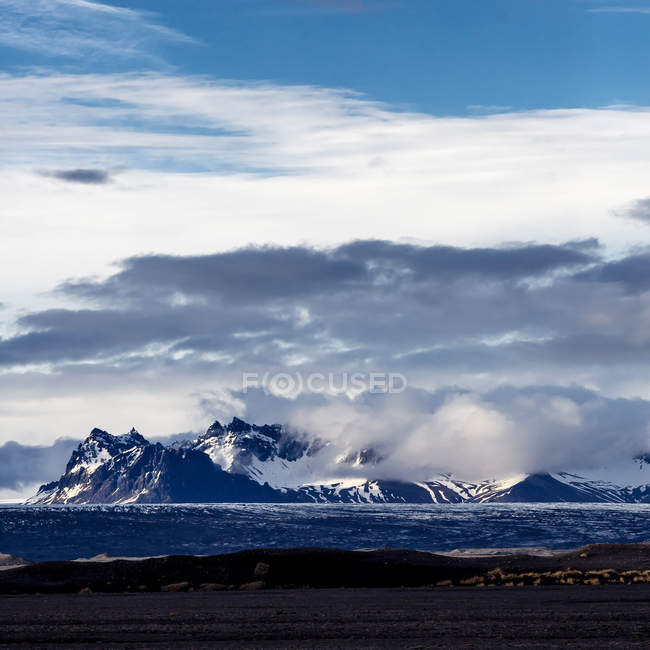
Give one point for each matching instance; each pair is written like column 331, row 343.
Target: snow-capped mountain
column 129, row 469
column 99, row 447
column 243, row 462
column 265, row 454
column 619, row 482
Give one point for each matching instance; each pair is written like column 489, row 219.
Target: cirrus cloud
column 81, row 28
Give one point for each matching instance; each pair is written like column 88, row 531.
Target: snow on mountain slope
column 445, row 488
column 616, row 483
column 99, row 447
column 364, row 491
column 266, row 454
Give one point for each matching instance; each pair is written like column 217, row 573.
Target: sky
column 455, row 191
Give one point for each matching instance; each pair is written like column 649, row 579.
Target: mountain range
column 243, row 462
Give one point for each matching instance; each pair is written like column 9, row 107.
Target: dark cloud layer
column 639, row 210
column 241, row 276
column 253, row 274
column 22, row 465
column 84, row 176
column 448, row 261
column 632, row 272
column 366, row 299
column 375, row 302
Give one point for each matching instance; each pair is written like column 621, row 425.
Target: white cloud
column 74, row 28
column 478, row 435
column 488, row 108
column 619, row 10
column 335, row 166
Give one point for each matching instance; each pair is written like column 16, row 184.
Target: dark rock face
column 543, row 488
column 156, row 474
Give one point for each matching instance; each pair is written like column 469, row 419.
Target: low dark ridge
column 331, row 568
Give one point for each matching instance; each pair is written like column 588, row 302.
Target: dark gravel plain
column 597, row 596
column 605, row 616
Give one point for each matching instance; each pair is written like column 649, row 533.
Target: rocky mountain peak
column 101, row 446
column 103, row 438
column 98, row 436
column 250, row 449
column 242, row 431
column 215, row 429
column 132, row 439
column 239, row 426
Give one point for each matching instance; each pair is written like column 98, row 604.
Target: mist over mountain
column 505, row 431
column 23, row 465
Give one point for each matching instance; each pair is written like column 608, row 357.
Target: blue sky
column 456, row 190
column 438, row 56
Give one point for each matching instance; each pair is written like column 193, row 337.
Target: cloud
column 84, row 334
column 507, row 261
column 269, row 273
column 351, row 6
column 324, row 6
column 244, row 304
column 619, row 10
column 439, row 315
column 84, row 176
column 631, row 272
column 639, row 209
column 222, row 125
column 490, row 108
column 475, row 435
column 74, row 28
column 246, row 274
column 23, row 465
